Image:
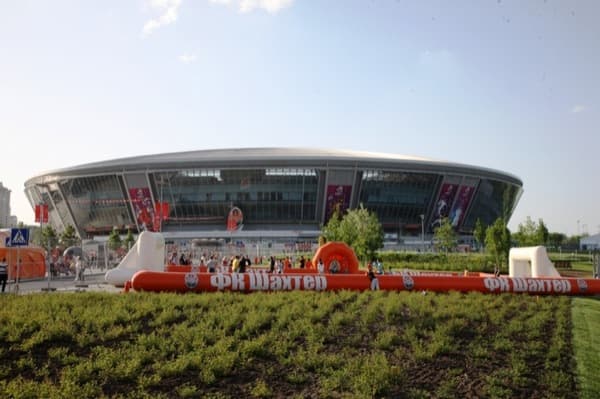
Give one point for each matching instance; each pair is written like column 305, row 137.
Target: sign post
column 18, row 238
column 41, row 215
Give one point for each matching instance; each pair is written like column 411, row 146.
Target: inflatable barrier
column 338, row 256
column 261, row 281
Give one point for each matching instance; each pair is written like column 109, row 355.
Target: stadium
column 248, row 195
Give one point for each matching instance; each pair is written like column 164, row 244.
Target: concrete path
column 93, row 281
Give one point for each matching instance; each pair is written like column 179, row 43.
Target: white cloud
column 578, row 108
column 246, row 6
column 187, row 58
column 167, row 14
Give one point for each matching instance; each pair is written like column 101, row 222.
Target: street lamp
column 422, row 216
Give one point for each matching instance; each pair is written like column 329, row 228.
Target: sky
column 507, row 85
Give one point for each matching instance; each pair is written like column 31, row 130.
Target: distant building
column 13, row 221
column 4, row 206
column 590, row 243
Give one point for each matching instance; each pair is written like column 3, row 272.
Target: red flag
column 41, row 213
column 165, row 210
column 162, row 209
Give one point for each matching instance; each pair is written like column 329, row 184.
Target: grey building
column 590, row 243
column 270, row 192
column 4, row 206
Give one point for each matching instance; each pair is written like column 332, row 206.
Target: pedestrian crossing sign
column 19, row 237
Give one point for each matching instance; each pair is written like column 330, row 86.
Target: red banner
column 142, row 206
column 463, row 199
column 443, row 204
column 162, row 209
column 41, row 213
column 235, row 219
column 337, row 196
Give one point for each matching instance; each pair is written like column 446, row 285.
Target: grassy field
column 586, row 340
column 288, row 344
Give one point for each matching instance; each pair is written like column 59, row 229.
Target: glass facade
column 493, row 199
column 398, row 198
column 283, row 197
column 98, row 203
column 265, row 196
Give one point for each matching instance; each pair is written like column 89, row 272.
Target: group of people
column 278, row 265
column 68, row 266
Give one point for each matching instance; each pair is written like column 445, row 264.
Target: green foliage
column 114, row 240
column 332, row 231
column 479, row 233
column 49, row 237
column 497, row 241
column 530, row 233
column 359, row 228
column 556, row 240
column 329, row 344
column 444, row 236
column 129, row 239
column 586, row 325
column 68, row 237
column 438, row 261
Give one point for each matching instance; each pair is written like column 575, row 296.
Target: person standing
column 372, row 277
column 320, row 266
column 272, row 264
column 3, row 273
column 78, row 269
column 211, row 265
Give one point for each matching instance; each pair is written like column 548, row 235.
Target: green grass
column 586, row 340
column 287, row 344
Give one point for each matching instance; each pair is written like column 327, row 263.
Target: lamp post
column 422, row 216
column 41, row 215
column 399, row 230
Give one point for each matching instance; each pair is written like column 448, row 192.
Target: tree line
column 362, row 230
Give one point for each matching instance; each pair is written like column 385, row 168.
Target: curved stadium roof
column 244, row 157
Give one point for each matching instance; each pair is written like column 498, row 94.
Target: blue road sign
column 19, row 237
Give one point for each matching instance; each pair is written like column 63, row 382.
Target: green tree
column 530, row 233
column 359, row 228
column 332, row 230
column 322, row 240
column 526, row 233
column 49, row 237
column 129, row 239
column 479, row 234
column 68, row 238
column 573, row 241
column 35, row 235
column 556, row 240
column 114, row 240
column 445, row 236
column 497, row 242
column 542, row 233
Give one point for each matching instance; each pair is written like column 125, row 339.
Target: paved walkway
column 93, row 281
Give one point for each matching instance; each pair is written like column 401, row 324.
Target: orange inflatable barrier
column 261, row 281
column 337, row 254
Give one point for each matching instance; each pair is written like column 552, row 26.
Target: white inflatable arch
column 148, row 253
column 530, row 262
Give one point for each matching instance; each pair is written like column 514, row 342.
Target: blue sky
column 509, row 85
